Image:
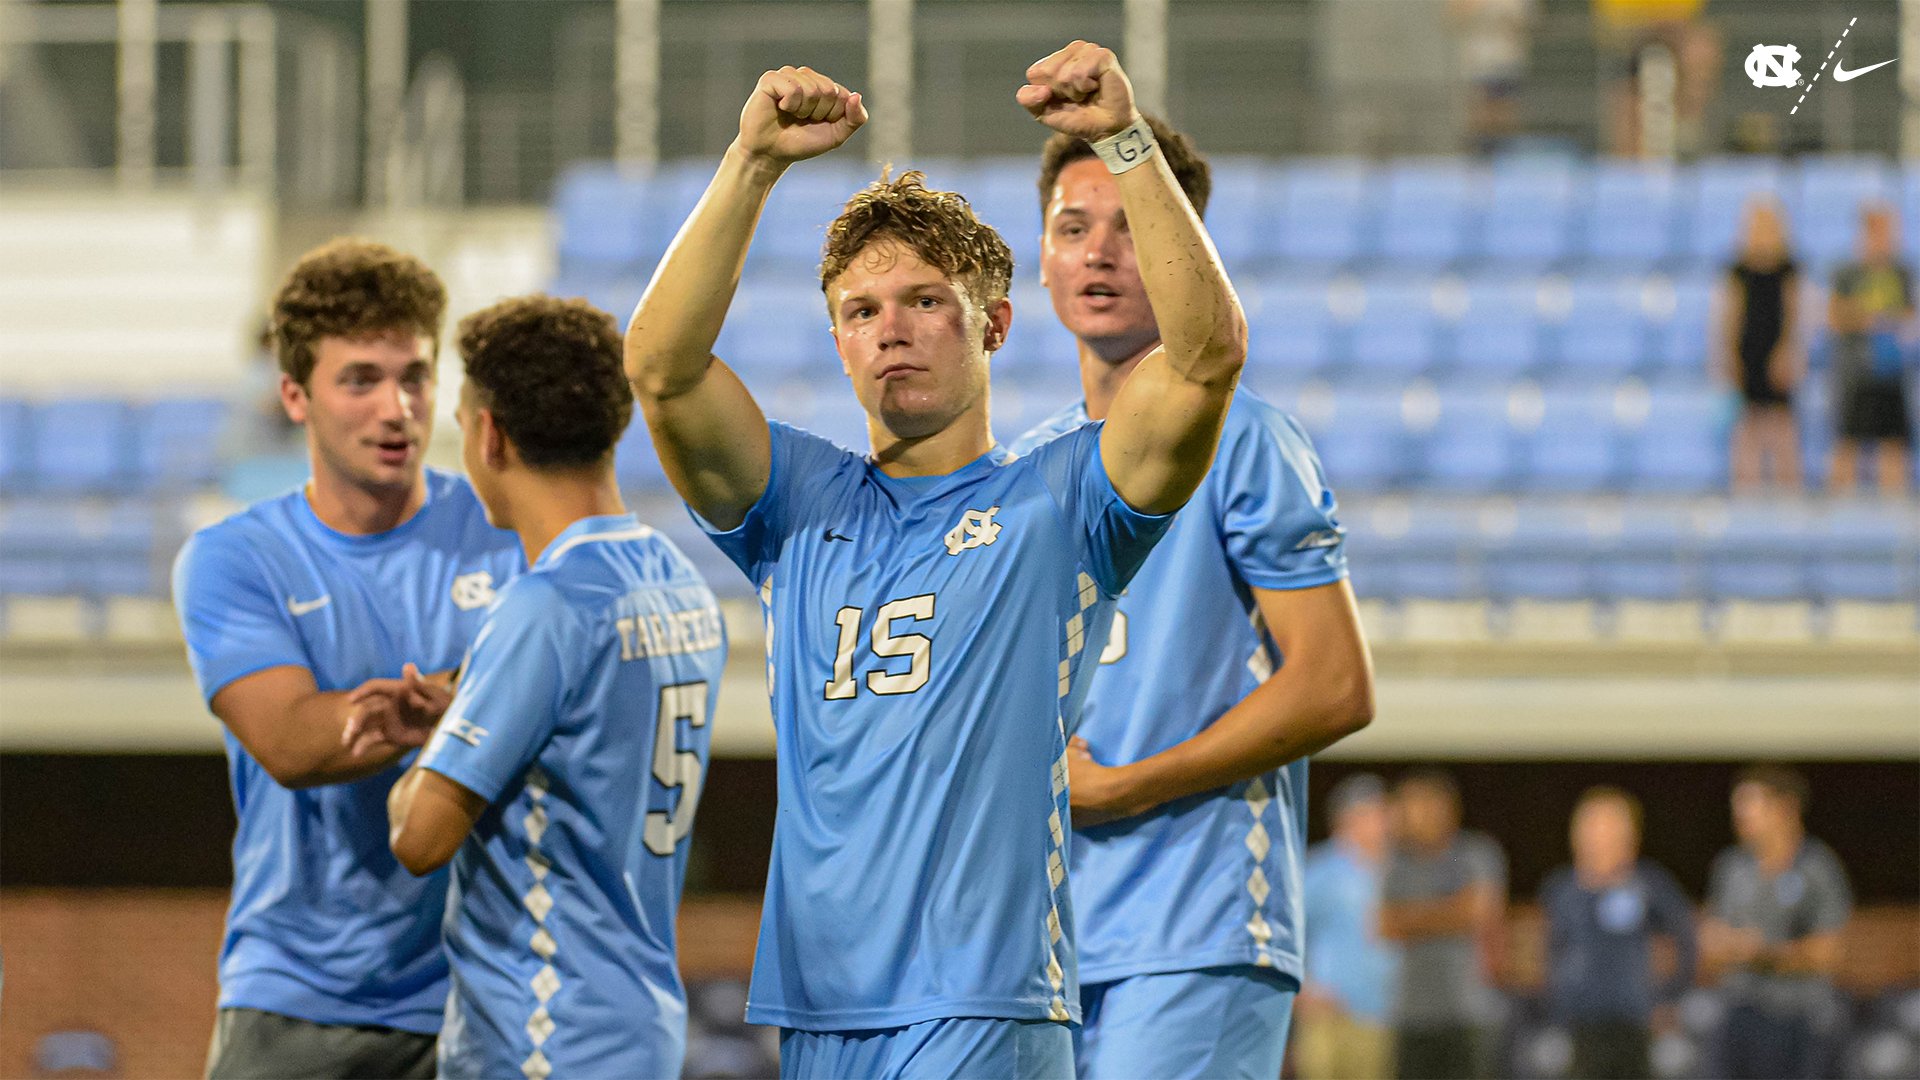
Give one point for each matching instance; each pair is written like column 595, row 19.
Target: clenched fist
column 1081, row 91
column 796, row 113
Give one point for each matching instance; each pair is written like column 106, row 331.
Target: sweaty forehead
column 887, row 266
column 1086, row 185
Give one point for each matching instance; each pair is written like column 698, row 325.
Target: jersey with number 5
column 582, row 718
column 925, row 638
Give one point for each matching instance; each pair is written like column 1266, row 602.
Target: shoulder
column 1557, row 886
column 1732, row 859
column 235, row 540
column 537, row 596
column 1657, row 878
column 1480, row 849
column 1817, row 857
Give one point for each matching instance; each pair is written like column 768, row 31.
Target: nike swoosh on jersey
column 302, row 607
column 1841, row 74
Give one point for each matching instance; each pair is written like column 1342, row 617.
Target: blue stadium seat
column 1429, row 208
column 1831, row 193
column 1682, row 329
column 125, row 561
column 1240, row 213
column 1649, row 553
column 1866, row 550
column 794, row 223
column 176, row 443
column 1543, row 551
column 1024, row 400
column 615, row 294
column 778, row 328
column 1576, row 445
column 1498, row 336
column 1326, row 211
column 1005, row 194
column 635, row 464
column 44, row 548
column 1604, row 334
column 1289, row 326
column 1529, row 220
column 81, row 446
column 1759, row 551
column 1632, row 216
column 1435, row 558
column 1680, row 447
column 16, row 418
column 1722, row 189
column 1038, row 340
column 1471, row 446
column 602, row 219
column 1361, row 438
column 1396, row 333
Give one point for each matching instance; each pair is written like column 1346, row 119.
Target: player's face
column 912, row 340
column 1087, row 263
column 1758, row 813
column 1366, row 824
column 1604, row 837
column 1427, row 817
column 368, row 407
column 1876, row 237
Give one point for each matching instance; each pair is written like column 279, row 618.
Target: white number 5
column 674, row 767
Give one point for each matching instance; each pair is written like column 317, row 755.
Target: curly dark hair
column 938, row 226
column 1189, row 166
column 351, row 288
column 550, row 371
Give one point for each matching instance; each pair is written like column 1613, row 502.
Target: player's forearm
column 670, row 340
column 1198, row 314
column 1300, row 711
column 1447, row 917
column 1816, row 954
column 308, row 751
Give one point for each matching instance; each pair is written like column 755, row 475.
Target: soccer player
column 931, row 602
column 565, row 773
column 331, row 965
column 1235, row 654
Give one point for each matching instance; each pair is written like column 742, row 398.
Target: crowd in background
column 1408, row 910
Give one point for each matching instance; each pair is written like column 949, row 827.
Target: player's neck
column 546, row 504
column 346, row 507
column 945, row 451
column 1101, row 378
column 1775, row 853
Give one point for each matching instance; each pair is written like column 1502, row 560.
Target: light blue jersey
column 582, row 719
column 1346, row 955
column 923, row 635
column 1213, row 879
column 324, row 924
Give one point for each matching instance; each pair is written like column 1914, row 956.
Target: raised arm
column 1165, row 422
column 706, row 427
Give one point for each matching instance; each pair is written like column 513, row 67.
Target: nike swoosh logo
column 1841, row 74
column 302, row 607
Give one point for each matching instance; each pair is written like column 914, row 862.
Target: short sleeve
column 799, row 462
column 1276, row 512
column 1486, row 863
column 233, row 621
column 1401, row 883
column 1831, row 895
column 1119, row 538
column 511, row 691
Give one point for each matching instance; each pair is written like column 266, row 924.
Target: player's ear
column 493, row 441
column 999, row 322
column 293, row 398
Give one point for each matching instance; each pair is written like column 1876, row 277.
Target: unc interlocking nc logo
column 1772, row 65
column 473, row 590
column 976, row 529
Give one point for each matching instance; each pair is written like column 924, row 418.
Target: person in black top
column 1602, row 915
column 1871, row 316
column 1761, row 355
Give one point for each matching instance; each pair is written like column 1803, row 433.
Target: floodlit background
column 1479, row 258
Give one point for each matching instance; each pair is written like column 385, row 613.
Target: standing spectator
column 1626, row 30
column 1602, row 915
column 1343, row 1009
column 1444, row 900
column 1777, row 903
column 1760, row 354
column 1870, row 311
column 1493, row 59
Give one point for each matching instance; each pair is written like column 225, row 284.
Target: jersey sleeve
column 512, row 688
column 1118, row 537
column 234, row 623
column 1276, row 512
column 1831, row 895
column 1720, row 885
column 800, row 460
column 1486, row 863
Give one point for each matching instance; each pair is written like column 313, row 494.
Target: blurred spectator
column 1445, row 901
column 1627, row 30
column 1760, row 354
column 1602, row 915
column 1870, row 313
column 1777, row 904
column 1341, row 1013
column 1493, row 59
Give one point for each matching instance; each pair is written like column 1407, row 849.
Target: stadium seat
column 1004, row 192
column 1757, row 550
column 1679, row 443
column 1722, row 188
column 1325, row 211
column 1240, row 214
column 1538, row 551
column 1866, row 550
column 1360, row 436
column 776, row 329
column 176, row 443
column 81, row 446
column 615, row 294
column 1529, row 215
column 602, row 219
column 16, row 417
column 126, row 554
column 794, row 224
column 1682, row 330
column 1289, row 326
column 1604, row 334
column 1470, row 448
column 1574, row 446
column 1427, row 553
column 1632, row 215
column 1428, row 209
column 635, row 464
column 1831, row 192
column 1395, row 334
column 1649, row 552
column 1498, row 335
column 44, row 548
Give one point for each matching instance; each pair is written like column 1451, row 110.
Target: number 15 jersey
column 925, row 638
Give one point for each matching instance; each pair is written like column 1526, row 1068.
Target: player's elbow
column 289, row 770
column 1353, row 707
column 418, row 851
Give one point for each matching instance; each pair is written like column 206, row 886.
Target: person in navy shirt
column 562, row 779
column 331, row 965
column 1235, row 653
column 1603, row 913
column 932, row 605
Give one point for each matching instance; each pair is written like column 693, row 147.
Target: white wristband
column 1133, row 146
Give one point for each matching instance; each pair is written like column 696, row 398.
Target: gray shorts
column 249, row 1044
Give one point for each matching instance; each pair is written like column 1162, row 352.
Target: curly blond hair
column 352, row 288
column 938, row 226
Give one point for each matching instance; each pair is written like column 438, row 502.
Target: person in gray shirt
column 1777, row 903
column 1444, row 900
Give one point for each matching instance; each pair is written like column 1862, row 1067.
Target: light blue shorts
column 1215, row 1022
column 958, row 1048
